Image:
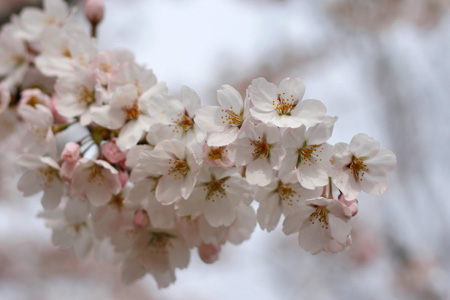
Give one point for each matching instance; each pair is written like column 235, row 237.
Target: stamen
column 179, row 169
column 321, row 215
column 132, row 112
column 284, row 105
column 231, row 118
column 358, row 168
column 262, row 148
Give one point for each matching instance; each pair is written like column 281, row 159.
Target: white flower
column 42, row 175
column 308, row 153
column 158, row 253
column 283, row 106
column 182, row 126
column 95, row 179
column 14, row 59
column 40, row 138
column 280, row 198
column 132, row 113
column 362, row 165
column 319, row 221
column 217, row 194
column 71, row 227
column 176, row 165
column 223, row 123
column 131, row 73
column 65, row 48
column 34, row 20
column 260, row 150
column 77, row 93
column 106, row 64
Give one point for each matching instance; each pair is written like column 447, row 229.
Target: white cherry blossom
column 308, row 153
column 42, row 175
column 319, row 221
column 223, row 123
column 217, row 194
column 260, row 151
column 283, row 106
column 362, row 165
column 95, row 179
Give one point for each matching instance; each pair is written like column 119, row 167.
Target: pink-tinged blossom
column 279, row 198
column 351, row 204
column 94, row 10
column 95, row 179
column 209, row 253
column 283, row 106
column 217, row 194
column 178, row 169
column 224, row 122
column 70, row 156
column 65, row 49
column 112, row 153
column 33, row 97
column 58, row 118
column 40, row 138
column 362, row 165
column 321, row 224
column 260, row 151
column 156, row 252
column 217, row 156
column 308, row 153
column 141, row 219
column 71, row 227
column 106, row 64
column 132, row 113
column 42, row 175
column 77, row 93
column 33, row 20
column 182, row 125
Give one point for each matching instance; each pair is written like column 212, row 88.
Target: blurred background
column 381, row 66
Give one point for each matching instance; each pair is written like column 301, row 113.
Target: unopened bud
column 94, row 10
column 140, row 219
column 351, row 204
column 209, row 253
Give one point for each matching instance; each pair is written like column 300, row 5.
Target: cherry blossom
column 42, row 175
column 223, row 123
column 319, row 221
column 260, row 151
column 283, row 106
column 95, row 179
column 362, row 165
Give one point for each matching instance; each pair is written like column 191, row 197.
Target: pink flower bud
column 351, row 204
column 209, row 253
column 94, row 10
column 140, row 219
column 71, row 152
column 112, row 153
column 123, row 177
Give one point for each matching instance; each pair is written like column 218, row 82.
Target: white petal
column 259, row 172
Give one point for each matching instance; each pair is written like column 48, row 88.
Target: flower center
column 217, row 153
column 179, row 168
column 231, row 118
column 185, row 122
column 286, row 193
column 284, row 104
column 117, row 201
column 216, row 189
column 308, row 154
column 321, row 215
column 132, row 112
column 358, row 168
column 49, row 174
column 96, row 175
column 85, row 95
column 262, row 148
column 160, row 242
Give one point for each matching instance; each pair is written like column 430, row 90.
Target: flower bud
column 71, row 152
column 112, row 153
column 123, row 177
column 209, row 253
column 351, row 204
column 94, row 10
column 140, row 219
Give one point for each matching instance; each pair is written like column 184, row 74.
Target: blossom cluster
column 157, row 174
